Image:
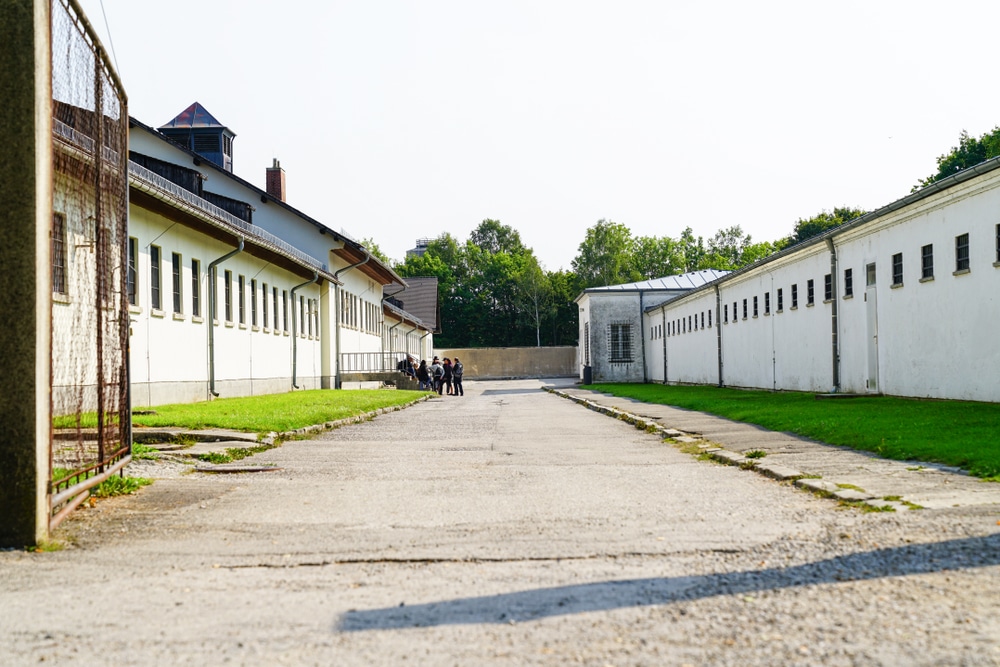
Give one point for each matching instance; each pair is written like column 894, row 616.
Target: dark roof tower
column 199, row 131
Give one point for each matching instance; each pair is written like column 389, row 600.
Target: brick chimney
column 276, row 181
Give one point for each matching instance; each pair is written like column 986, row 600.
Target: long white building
column 902, row 301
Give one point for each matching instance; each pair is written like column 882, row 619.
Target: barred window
column 962, row 252
column 620, row 342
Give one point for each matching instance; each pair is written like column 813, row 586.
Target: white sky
column 399, row 119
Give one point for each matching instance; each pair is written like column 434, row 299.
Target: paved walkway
column 849, row 474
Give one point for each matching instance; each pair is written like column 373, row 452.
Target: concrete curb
column 773, row 470
column 273, row 436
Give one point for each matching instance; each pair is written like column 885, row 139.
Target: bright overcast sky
column 398, row 119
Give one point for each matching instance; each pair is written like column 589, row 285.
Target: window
column 284, row 310
column 195, row 288
column 744, row 308
column 795, row 295
column 927, row 262
column 274, row 293
column 703, row 320
column 709, row 319
column 767, row 303
column 620, row 342
column 59, row 253
column 962, row 252
column 253, row 302
column 810, row 292
column 302, row 315
column 175, row 281
column 897, row 269
column 690, row 325
column 228, row 286
column 828, row 287
column 725, row 313
column 781, row 299
column 263, row 303
column 242, row 295
column 998, row 244
column 755, row 305
column 848, row 282
column 133, row 252
column 735, row 316
column 870, row 274
column 154, row 278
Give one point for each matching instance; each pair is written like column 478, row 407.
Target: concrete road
column 507, row 527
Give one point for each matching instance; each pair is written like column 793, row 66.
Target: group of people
column 441, row 376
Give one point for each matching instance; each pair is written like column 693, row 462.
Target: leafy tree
column 692, row 249
column 375, row 251
column 535, row 295
column 605, row 255
column 725, row 249
column 656, row 257
column 493, row 237
column 969, row 152
column 808, row 227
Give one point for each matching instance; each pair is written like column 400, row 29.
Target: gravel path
column 508, row 527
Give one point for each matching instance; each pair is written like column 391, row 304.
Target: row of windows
column 268, row 306
column 695, row 322
column 356, row 313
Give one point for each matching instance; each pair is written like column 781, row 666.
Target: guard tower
column 199, row 131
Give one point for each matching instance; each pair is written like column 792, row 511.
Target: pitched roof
column 684, row 281
column 192, row 117
column 421, row 299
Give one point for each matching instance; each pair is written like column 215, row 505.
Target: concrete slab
column 778, row 471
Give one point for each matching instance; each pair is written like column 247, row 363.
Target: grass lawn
column 272, row 412
column 956, row 433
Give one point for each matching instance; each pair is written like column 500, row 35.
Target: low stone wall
column 498, row 363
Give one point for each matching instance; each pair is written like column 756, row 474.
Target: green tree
column 806, row 228
column 375, row 251
column 692, row 249
column 969, row 152
column 605, row 256
column 725, row 249
column 534, row 295
column 656, row 257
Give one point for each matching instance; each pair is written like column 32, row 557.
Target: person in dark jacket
column 446, row 380
column 457, row 370
column 424, row 375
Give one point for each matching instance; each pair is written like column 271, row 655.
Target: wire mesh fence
column 90, row 264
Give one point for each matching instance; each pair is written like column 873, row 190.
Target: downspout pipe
column 642, row 337
column 834, row 315
column 212, row 307
column 295, row 335
column 420, row 343
column 663, row 335
column 718, row 332
column 336, row 320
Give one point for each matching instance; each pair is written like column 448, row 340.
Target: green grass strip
column 954, row 433
column 263, row 414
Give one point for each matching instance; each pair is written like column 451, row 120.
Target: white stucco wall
column 169, row 351
column 934, row 337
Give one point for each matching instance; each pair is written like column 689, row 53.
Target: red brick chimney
column 276, row 181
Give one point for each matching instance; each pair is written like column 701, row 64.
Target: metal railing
column 370, row 362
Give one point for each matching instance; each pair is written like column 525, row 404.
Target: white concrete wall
column 169, row 351
column 935, row 336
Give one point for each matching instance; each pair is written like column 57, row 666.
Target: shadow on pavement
column 527, row 605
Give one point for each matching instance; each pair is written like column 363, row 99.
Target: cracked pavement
column 508, row 527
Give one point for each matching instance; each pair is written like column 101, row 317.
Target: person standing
column 447, row 375
column 437, row 374
column 424, row 375
column 456, row 378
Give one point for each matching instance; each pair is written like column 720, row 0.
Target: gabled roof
column 421, row 299
column 352, row 251
column 684, row 281
column 195, row 116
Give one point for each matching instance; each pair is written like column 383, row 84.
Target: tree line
column 495, row 293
